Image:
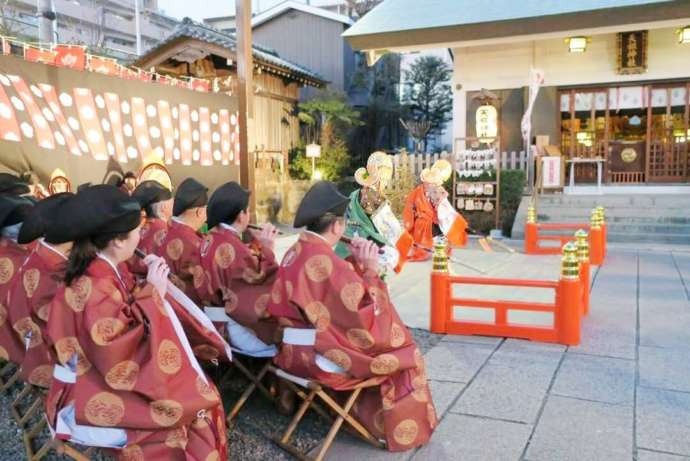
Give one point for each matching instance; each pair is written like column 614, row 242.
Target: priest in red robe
column 181, row 246
column 13, row 211
column 37, row 281
column 239, row 275
column 342, row 329
column 127, row 378
column 156, row 202
column 428, row 213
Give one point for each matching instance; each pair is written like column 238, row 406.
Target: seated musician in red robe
column 428, row 213
column 13, row 211
column 38, row 280
column 239, row 275
column 181, row 245
column 156, row 202
column 127, row 378
column 342, row 329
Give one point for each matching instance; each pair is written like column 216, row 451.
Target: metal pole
column 137, row 25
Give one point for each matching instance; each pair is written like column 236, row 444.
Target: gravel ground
column 250, row 435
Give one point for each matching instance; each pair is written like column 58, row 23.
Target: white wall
column 507, row 65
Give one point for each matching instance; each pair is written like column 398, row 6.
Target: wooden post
column 245, row 88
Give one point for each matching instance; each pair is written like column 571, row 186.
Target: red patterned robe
column 132, row 369
column 30, row 296
column 12, row 256
column 239, row 277
column 152, row 234
column 180, row 249
column 358, row 329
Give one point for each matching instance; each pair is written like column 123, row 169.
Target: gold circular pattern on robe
column 31, row 279
column 198, row 276
column 230, row 299
column 43, row 312
column 25, row 325
column 116, row 296
column 421, row 394
column 104, row 409
column 77, row 294
column 275, row 294
column 132, row 453
column 159, row 236
column 3, row 314
column 206, row 390
column 431, row 414
column 351, row 295
column 169, row 357
column 378, row 295
column 213, row 456
column 66, row 348
column 176, row 438
column 224, row 255
column 288, row 289
column 318, row 315
column 339, row 357
column 6, row 270
column 174, row 249
column 42, row 375
column 261, row 306
column 384, row 364
column 379, row 422
column 105, row 329
column 418, row 359
column 405, row 432
column 165, row 412
column 360, row 338
column 389, row 398
column 3, row 354
column 318, row 268
column 397, row 335
column 123, row 376
column 205, row 351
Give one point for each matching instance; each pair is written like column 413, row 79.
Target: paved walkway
column 624, row 394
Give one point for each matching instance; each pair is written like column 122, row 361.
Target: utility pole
column 46, row 16
column 245, row 88
column 137, row 26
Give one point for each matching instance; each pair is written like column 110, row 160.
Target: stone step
column 649, row 238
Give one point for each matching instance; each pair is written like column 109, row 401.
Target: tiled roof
column 191, row 29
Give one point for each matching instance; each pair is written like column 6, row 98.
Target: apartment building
column 107, row 26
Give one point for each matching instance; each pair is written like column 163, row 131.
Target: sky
column 201, row 9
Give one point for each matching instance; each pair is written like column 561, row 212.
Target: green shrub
column 333, row 163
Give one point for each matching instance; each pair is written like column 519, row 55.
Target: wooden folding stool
column 218, row 315
column 342, row 412
column 9, row 375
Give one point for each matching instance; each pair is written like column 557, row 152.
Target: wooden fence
column 417, row 162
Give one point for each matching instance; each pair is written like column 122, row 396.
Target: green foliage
column 512, row 185
column 427, row 92
column 333, row 163
column 329, row 117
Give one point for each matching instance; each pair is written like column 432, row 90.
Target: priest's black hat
column 322, row 198
column 12, row 185
column 190, row 194
column 226, row 203
column 149, row 192
column 100, row 210
column 13, row 209
column 41, row 219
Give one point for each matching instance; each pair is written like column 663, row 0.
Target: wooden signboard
column 632, row 52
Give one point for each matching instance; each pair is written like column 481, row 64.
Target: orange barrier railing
column 534, row 235
column 571, row 301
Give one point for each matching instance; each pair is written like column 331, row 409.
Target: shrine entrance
column 642, row 132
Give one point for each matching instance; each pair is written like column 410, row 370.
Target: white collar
column 179, row 221
column 230, row 228
column 318, row 235
column 52, row 248
column 117, row 273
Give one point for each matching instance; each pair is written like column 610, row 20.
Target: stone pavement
column 623, row 394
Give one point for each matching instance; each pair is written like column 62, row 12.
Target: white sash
column 446, row 216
